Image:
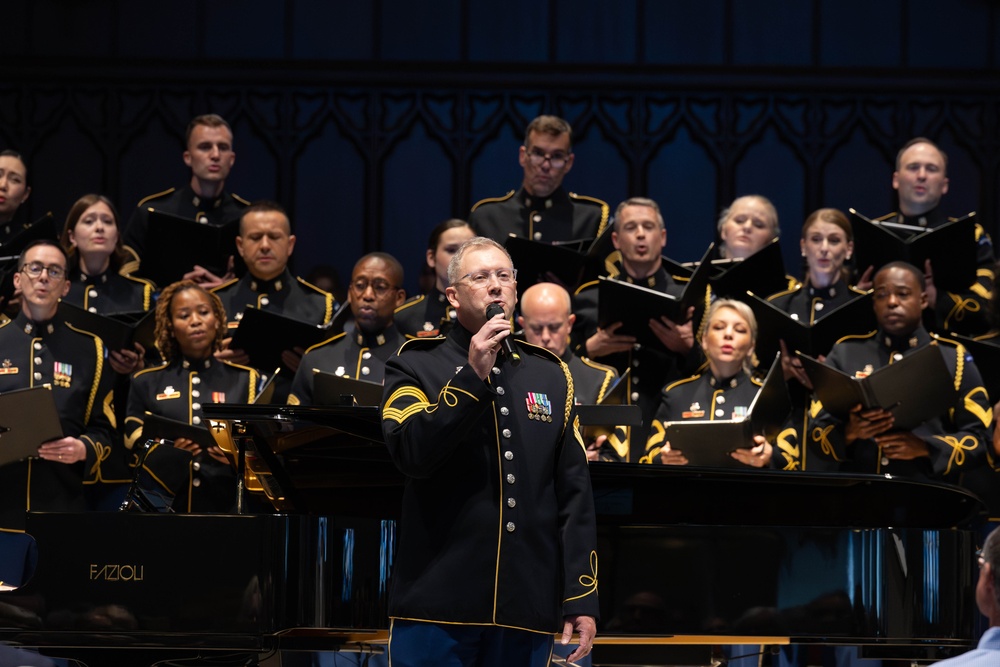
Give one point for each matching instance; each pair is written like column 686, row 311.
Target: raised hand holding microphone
column 492, row 311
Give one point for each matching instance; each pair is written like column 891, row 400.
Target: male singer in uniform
column 497, row 546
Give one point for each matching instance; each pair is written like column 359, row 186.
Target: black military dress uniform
column 562, row 216
column 591, row 382
column 806, row 303
column 178, row 391
column 966, row 312
column 701, row 397
column 285, row 295
column 356, row 355
column 73, row 363
column 957, row 439
column 182, row 202
column 498, row 524
column 106, row 294
column 653, row 366
column 425, row 315
column 109, row 293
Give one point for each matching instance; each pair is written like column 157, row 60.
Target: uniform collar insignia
column 41, row 328
column 203, row 363
column 272, row 285
column 730, row 383
column 371, row 341
column 823, row 292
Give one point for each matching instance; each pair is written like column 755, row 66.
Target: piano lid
column 651, row 494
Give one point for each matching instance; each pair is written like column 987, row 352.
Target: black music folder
column 264, row 335
column 174, row 244
column 538, row 262
column 156, row 427
column 950, row 247
column 611, row 411
column 118, row 330
column 709, row 443
column 330, row 389
column 761, row 273
column 10, row 250
column 773, row 325
column 915, row 388
column 634, row 305
column 43, row 228
column 28, row 417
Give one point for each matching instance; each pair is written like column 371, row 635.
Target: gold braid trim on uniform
column 588, row 581
column 254, row 379
column 985, row 415
column 980, row 288
column 448, row 395
column 109, row 409
column 99, row 350
column 654, row 443
column 293, row 400
column 961, row 306
column 619, row 445
column 821, row 435
column 492, row 200
column 101, row 453
column 611, row 264
column 130, row 439
column 605, row 209
column 959, row 447
column 789, row 451
column 568, row 408
column 959, row 370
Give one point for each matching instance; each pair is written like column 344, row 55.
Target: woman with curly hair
column 190, row 326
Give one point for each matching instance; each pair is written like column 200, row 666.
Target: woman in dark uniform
column 429, row 315
column 724, row 391
column 190, row 325
column 98, row 283
column 98, row 268
column 827, row 244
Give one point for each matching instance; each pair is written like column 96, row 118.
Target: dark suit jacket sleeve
column 576, row 519
column 966, row 435
column 421, row 424
column 99, row 434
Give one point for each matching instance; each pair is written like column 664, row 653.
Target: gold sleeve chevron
column 416, row 401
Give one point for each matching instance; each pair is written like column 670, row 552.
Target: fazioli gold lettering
column 116, row 572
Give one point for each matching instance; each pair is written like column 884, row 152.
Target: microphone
column 492, row 311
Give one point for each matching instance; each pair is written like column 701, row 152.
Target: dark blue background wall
column 372, row 121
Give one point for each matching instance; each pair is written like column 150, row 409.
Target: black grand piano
column 690, row 559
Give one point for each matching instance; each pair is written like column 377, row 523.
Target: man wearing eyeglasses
column 541, row 209
column 37, row 348
column 375, row 292
column 497, row 543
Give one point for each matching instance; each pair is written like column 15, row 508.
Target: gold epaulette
column 493, row 200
